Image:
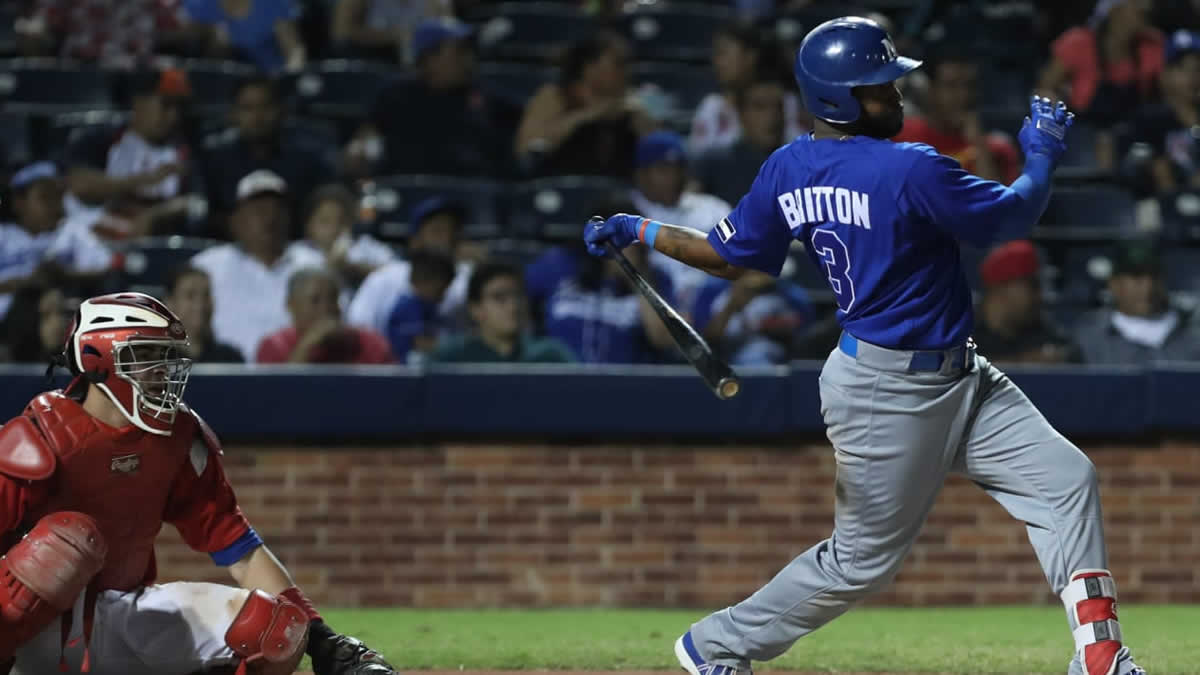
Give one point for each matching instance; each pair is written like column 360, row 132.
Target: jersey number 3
column 833, row 252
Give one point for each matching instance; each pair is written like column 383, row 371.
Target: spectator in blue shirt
column 262, row 32
column 755, row 319
column 414, row 324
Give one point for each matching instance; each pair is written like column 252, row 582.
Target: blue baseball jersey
column 882, row 219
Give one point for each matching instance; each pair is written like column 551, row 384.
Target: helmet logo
column 126, row 464
column 890, row 48
column 175, row 329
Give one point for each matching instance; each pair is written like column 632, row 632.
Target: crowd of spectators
column 286, row 232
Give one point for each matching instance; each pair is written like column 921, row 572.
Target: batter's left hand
column 620, row 229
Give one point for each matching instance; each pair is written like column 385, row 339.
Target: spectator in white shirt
column 438, row 222
column 328, row 223
column 249, row 277
column 660, row 180
column 37, row 248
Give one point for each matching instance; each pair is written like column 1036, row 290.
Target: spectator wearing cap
column 261, row 32
column 317, row 333
column 660, row 180
column 728, row 171
column 189, row 295
column 382, row 29
column 141, row 173
column 250, row 275
column 1168, row 126
column 110, row 34
column 1012, row 325
column 951, row 123
column 587, row 123
column 330, row 214
column 414, row 323
column 443, row 123
column 498, row 305
column 1141, row 326
column 437, row 224
column 38, row 248
column 259, row 139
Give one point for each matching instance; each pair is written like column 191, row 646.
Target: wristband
column 295, row 596
column 647, row 230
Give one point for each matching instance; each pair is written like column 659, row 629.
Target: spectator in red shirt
column 317, row 333
column 951, row 125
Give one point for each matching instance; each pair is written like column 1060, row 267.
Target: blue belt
column 959, row 358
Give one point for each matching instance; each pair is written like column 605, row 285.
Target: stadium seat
column 513, row 82
column 16, row 139
column 791, row 25
column 214, row 82
column 684, row 85
column 674, row 32
column 148, row 262
column 557, row 208
column 1101, row 207
column 65, row 128
column 1181, row 215
column 48, row 86
column 531, row 31
column 1085, row 273
column 395, row 196
column 1183, row 269
column 343, row 88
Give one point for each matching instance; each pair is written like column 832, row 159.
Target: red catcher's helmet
column 128, row 345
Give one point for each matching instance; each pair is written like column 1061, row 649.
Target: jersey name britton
column 823, row 204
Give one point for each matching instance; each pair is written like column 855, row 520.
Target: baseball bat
column 716, row 373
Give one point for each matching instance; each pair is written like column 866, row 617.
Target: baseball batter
column 905, row 397
column 88, row 476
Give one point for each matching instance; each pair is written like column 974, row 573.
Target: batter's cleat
column 1122, row 665
column 691, row 661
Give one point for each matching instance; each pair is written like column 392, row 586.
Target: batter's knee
column 868, row 572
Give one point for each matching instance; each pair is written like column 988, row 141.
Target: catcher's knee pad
column 43, row 574
column 1091, row 601
column 268, row 634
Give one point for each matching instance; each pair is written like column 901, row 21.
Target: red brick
column 668, row 499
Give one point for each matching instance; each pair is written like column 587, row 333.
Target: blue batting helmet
column 839, row 55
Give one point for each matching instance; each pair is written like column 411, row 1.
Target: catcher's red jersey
column 130, row 482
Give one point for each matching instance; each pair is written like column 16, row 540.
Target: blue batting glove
column 1045, row 130
column 620, row 229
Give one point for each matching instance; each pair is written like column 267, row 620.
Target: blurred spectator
column 317, row 333
column 258, row 140
column 741, row 54
column 38, row 248
column 443, row 124
column 438, row 224
column 587, row 123
column 261, row 32
column 497, row 303
column 1168, row 127
column 755, row 319
column 728, row 171
column 1012, row 326
column 951, row 124
column 1107, row 66
column 382, row 29
column 189, row 295
column 36, row 324
column 1141, row 327
column 250, row 276
column 414, row 324
column 660, row 178
column 109, row 33
column 328, row 230
column 140, row 173
column 590, row 305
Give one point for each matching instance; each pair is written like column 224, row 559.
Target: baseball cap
column 31, row 174
column 260, row 182
column 659, row 146
column 427, row 208
column 171, row 82
column 1182, row 42
column 1138, row 258
column 1009, row 262
column 431, row 33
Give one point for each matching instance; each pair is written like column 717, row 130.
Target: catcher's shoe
column 691, row 661
column 336, row 654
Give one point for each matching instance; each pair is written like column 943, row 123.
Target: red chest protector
column 122, row 478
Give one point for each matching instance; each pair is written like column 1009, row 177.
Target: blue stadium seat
column 1101, row 207
column 531, row 31
column 395, row 196
column 513, row 82
column 1181, row 215
column 48, row 86
column 65, row 128
column 214, row 82
column 16, row 139
column 148, row 262
column 674, row 32
column 1183, row 269
column 687, row 85
column 1085, row 272
column 343, row 88
column 557, row 208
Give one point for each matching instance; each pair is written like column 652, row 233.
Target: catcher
column 88, row 476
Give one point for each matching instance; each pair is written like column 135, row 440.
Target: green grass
column 1165, row 639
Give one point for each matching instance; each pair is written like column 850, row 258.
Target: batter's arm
column 691, row 247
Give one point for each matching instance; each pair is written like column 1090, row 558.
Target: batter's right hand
column 1045, row 130
column 620, row 229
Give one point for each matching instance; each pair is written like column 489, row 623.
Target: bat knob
column 728, row 387
column 596, row 221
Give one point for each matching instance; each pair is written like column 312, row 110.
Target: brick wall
column 487, row 525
